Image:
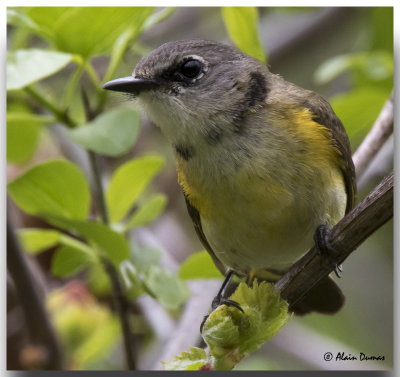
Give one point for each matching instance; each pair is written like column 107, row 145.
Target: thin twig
column 123, row 310
column 98, row 185
column 61, row 115
column 40, row 329
column 369, row 215
column 380, row 166
column 376, row 138
column 121, row 305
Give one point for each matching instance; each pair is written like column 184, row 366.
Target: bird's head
column 196, row 89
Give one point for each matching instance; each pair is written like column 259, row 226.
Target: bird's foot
column 218, row 301
column 321, row 239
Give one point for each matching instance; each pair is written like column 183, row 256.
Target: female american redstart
column 262, row 162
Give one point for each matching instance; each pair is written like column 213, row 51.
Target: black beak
column 130, row 85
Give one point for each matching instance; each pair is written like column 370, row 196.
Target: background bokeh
column 346, row 54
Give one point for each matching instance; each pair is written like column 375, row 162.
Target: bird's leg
column 322, row 242
column 220, row 298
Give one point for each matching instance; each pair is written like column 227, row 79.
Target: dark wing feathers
column 195, row 216
column 325, row 116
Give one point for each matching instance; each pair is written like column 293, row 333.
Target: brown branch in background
column 376, row 138
column 44, row 351
column 311, row 33
column 369, row 215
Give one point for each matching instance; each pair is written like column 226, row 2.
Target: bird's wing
column 195, row 216
column 324, row 115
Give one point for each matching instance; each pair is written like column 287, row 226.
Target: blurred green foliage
column 87, row 329
column 370, row 73
column 57, row 190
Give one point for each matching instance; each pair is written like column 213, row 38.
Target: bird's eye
column 191, row 69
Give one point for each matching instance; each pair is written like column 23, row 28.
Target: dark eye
column 191, row 68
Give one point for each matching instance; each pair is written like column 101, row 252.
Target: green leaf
column 158, row 16
column 25, row 67
column 199, row 266
column 132, row 280
column 36, row 240
column 68, row 261
column 166, row 287
column 98, row 281
column 231, row 334
column 263, row 304
column 241, row 24
column 145, row 257
column 192, row 360
column 359, row 108
column 114, row 245
column 67, row 27
column 147, row 212
column 382, row 28
column 112, row 133
column 54, row 188
column 332, row 68
column 128, row 182
column 365, row 67
column 23, row 136
column 20, row 19
column 119, row 48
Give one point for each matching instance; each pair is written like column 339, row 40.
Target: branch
column 61, row 115
column 98, row 187
column 376, row 138
column 369, row 215
column 123, row 309
column 121, row 304
column 308, row 33
column 380, row 166
column 40, row 329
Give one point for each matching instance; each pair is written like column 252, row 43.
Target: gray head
column 196, row 87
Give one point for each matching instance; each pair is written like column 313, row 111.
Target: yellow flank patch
column 196, row 199
column 316, row 137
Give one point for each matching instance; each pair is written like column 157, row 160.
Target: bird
column 264, row 165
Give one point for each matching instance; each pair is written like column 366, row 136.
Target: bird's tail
column 325, row 297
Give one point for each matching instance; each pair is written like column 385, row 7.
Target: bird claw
column 218, row 301
column 326, row 250
column 338, row 270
